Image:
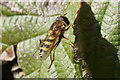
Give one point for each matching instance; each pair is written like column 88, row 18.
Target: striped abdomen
column 47, row 46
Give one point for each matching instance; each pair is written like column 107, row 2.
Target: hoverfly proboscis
column 54, row 37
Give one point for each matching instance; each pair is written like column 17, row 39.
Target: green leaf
column 96, row 35
column 25, row 23
column 20, row 28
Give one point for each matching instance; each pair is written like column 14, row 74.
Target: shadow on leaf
column 99, row 54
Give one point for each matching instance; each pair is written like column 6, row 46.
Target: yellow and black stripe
column 54, row 36
column 46, row 45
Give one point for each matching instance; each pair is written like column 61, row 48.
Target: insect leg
column 52, row 56
column 67, row 39
column 71, row 45
column 69, row 26
column 55, row 46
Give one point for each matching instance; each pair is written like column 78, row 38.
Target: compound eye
column 60, row 18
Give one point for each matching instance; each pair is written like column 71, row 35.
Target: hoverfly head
column 63, row 19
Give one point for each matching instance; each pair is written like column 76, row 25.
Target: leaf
column 19, row 28
column 28, row 25
column 96, row 31
column 25, row 23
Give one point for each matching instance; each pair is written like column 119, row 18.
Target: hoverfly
column 53, row 38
